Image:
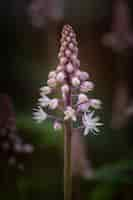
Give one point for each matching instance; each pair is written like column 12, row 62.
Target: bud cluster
column 73, row 86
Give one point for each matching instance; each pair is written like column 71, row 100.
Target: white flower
column 45, row 90
column 39, row 115
column 90, row 123
column 57, row 126
column 75, row 82
column 86, row 86
column 53, row 104
column 60, row 77
column 65, row 88
column 44, row 101
column 95, row 103
column 70, row 113
column 52, row 74
column 52, row 82
column 82, row 98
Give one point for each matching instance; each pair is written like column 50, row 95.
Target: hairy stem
column 67, row 161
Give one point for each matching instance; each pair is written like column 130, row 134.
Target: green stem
column 67, row 162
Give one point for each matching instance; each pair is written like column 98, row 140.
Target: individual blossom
column 86, row 86
column 39, row 115
column 60, row 77
column 45, row 90
column 53, row 104
column 82, row 98
column 70, row 114
column 44, row 101
column 75, row 81
column 52, row 82
column 90, row 123
column 95, row 103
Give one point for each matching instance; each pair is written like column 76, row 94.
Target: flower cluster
column 70, row 87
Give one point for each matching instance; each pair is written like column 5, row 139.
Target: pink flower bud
column 60, row 77
column 65, row 88
column 83, row 76
column 68, row 53
column 53, row 104
column 52, row 74
column 71, row 46
column 64, row 44
column 62, row 49
column 69, row 68
column 68, row 39
column 95, row 103
column 51, row 82
column 75, row 82
column 57, row 126
column 86, row 86
column 82, row 98
column 83, row 106
column 60, row 54
column 63, row 60
column 60, row 68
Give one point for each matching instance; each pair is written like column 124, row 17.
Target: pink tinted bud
column 65, row 88
column 63, row 60
column 95, row 103
column 57, row 126
column 53, row 104
column 60, row 55
column 64, row 44
column 69, row 68
column 62, row 48
column 74, row 58
column 83, row 76
column 68, row 39
column 59, row 68
column 75, row 82
column 71, row 46
column 51, row 82
column 77, row 63
column 52, row 74
column 68, row 53
column 60, row 77
column 83, row 106
column 82, row 98
column 86, row 86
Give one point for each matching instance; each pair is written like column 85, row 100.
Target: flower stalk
column 69, row 86
column 67, row 161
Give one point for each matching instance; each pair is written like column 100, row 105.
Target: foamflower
column 70, row 114
column 90, row 123
column 39, row 115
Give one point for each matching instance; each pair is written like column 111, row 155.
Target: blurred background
column 31, row 155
